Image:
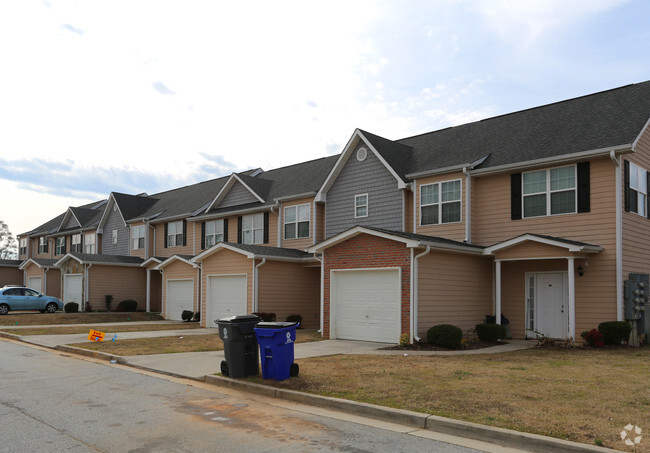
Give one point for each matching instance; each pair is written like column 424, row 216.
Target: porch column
column 148, row 290
column 497, row 302
column 572, row 299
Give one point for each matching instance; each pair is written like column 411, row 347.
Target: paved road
column 52, row 402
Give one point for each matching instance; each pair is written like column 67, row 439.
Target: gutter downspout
column 86, row 286
column 414, row 292
column 199, row 289
column 619, row 238
column 415, row 202
column 44, row 285
column 148, row 303
column 154, row 239
column 322, row 292
column 256, row 285
column 468, row 205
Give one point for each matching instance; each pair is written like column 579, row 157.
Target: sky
column 145, row 96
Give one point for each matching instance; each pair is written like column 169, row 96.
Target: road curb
column 88, row 353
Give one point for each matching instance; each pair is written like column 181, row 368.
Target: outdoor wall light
column 581, row 271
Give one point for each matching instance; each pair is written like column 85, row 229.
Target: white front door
column 550, row 310
column 72, row 289
column 35, row 284
column 227, row 296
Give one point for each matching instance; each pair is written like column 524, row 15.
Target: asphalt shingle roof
column 107, row 259
column 271, row 251
column 425, row 238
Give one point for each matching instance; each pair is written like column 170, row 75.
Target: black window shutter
column 626, row 184
column 266, row 227
column 184, row 232
column 515, row 196
column 584, row 188
column 647, row 199
column 239, row 234
column 225, row 230
column 166, row 228
column 202, row 235
column 81, row 242
column 65, row 242
column 47, row 244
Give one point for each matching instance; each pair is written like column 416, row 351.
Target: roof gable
column 242, row 192
column 567, row 244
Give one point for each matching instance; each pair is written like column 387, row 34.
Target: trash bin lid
column 238, row 318
column 275, row 325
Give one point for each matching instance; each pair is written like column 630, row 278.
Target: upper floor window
column 76, row 243
column 638, row 192
column 23, row 246
column 42, row 244
column 440, row 202
column 214, row 233
column 296, row 221
column 137, row 237
column 175, row 234
column 60, row 246
column 253, row 229
column 549, row 192
column 89, row 243
column 114, row 236
column 361, row 205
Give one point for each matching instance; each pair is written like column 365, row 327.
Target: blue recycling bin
column 276, row 341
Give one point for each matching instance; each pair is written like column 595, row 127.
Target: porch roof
column 258, row 251
column 568, row 244
column 40, row 262
column 111, row 260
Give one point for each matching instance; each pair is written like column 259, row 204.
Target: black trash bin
column 239, row 345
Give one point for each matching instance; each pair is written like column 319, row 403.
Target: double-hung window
column 550, row 192
column 253, row 229
column 89, row 243
column 137, row 237
column 361, row 205
column 60, row 246
column 440, row 202
column 76, row 243
column 42, row 244
column 296, row 221
column 213, row 233
column 175, row 234
column 23, row 246
column 114, row 236
column 638, row 190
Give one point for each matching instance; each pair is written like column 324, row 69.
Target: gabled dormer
column 241, row 189
column 367, row 185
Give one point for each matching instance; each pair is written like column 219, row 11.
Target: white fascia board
column 531, row 237
column 170, row 260
column 149, row 261
column 261, row 200
column 218, row 247
column 555, row 160
column 294, row 197
column 643, row 130
column 307, row 259
column 110, row 263
column 355, row 231
column 25, row 263
column 65, row 258
column 452, row 247
column 65, row 218
column 226, row 188
column 107, row 210
column 400, row 183
column 336, row 169
column 452, row 168
column 223, row 215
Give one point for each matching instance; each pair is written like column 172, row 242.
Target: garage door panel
column 35, row 283
column 367, row 305
column 228, row 296
column 180, row 297
column 72, row 285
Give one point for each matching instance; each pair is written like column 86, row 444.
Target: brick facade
column 368, row 252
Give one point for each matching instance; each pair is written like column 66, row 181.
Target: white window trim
column 253, row 228
column 73, row 244
column 137, row 228
column 92, row 244
column 22, row 246
column 296, row 222
column 548, row 192
column 216, row 233
column 58, row 250
column 367, row 205
column 175, row 234
column 637, row 168
column 440, row 203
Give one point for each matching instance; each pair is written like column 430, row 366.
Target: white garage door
column 35, row 283
column 179, row 297
column 227, row 296
column 367, row 305
column 72, row 289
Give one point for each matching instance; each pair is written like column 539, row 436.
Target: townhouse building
column 537, row 215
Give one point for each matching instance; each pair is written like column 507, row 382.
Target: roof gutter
column 222, row 215
column 439, row 171
column 294, row 197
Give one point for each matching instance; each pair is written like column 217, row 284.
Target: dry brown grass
column 579, row 395
column 167, row 345
column 36, row 319
column 113, row 329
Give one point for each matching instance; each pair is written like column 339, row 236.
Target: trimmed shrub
column 71, row 307
column 266, row 317
column 445, row 335
column 490, row 333
column 594, row 338
column 127, row 305
column 615, row 332
column 294, row 318
column 186, row 315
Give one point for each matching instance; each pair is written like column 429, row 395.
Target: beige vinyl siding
column 187, row 249
column 408, row 211
column 53, row 283
column 226, row 262
column 300, row 243
column 455, row 231
column 178, row 270
column 290, row 288
column 10, row 276
column 636, row 240
column 532, row 249
column 50, row 249
column 103, row 280
column 453, row 288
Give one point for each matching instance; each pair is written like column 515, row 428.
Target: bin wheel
column 224, row 368
column 294, row 369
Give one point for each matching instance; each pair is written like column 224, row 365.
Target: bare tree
column 8, row 243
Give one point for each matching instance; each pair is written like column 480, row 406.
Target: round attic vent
column 362, row 153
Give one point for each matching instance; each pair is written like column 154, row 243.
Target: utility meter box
column 636, row 291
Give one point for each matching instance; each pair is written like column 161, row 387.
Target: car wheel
column 51, row 307
column 4, row 309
